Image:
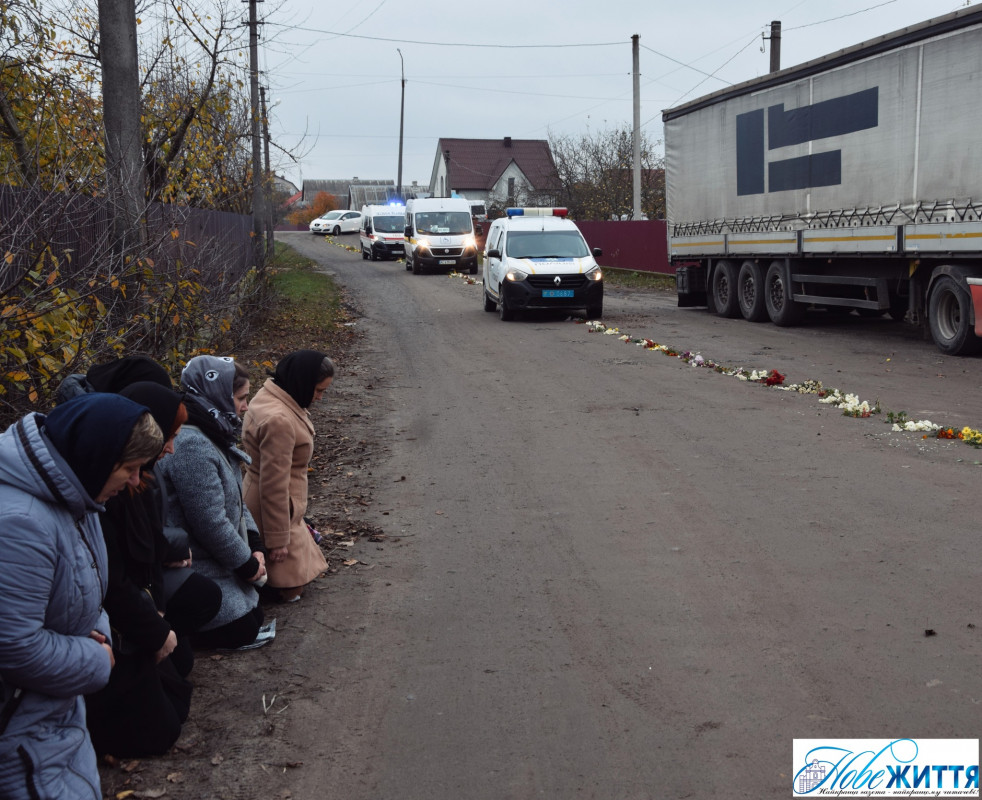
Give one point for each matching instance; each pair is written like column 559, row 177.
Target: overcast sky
column 520, row 69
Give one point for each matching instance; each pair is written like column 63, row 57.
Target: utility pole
column 635, row 51
column 267, row 180
column 257, row 165
column 125, row 176
column 402, row 115
column 775, row 38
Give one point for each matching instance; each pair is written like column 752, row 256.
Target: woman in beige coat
column 279, row 438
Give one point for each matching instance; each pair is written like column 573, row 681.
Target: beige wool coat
column 279, row 438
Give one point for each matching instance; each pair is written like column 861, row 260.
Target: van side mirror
column 493, row 253
column 409, row 231
column 597, row 252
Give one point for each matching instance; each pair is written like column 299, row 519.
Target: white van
column 382, row 229
column 536, row 258
column 440, row 235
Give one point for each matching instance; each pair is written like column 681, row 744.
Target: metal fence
column 641, row 245
column 76, row 228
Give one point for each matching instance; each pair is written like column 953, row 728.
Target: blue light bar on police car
column 536, row 212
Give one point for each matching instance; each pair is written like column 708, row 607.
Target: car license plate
column 557, row 292
column 447, row 261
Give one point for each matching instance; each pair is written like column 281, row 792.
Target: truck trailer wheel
column 750, row 292
column 950, row 315
column 725, row 293
column 781, row 308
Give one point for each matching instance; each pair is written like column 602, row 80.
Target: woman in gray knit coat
column 203, row 481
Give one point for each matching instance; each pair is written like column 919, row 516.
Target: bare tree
column 595, row 174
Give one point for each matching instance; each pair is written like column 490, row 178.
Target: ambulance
column 440, row 235
column 382, row 230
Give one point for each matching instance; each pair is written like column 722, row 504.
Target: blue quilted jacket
column 51, row 591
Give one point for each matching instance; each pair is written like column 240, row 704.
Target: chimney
column 507, row 141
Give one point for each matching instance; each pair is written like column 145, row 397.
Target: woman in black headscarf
column 141, row 711
column 113, row 376
column 279, row 438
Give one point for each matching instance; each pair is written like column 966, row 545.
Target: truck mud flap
column 690, row 285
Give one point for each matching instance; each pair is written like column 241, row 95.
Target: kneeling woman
column 203, row 482
column 279, row 438
column 56, row 471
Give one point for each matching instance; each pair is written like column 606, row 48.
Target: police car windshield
column 546, row 244
column 389, row 224
column 450, row 223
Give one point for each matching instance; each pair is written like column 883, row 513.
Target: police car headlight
column 595, row 274
column 515, row 275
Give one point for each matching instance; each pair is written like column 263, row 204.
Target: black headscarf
column 133, row 522
column 90, row 432
column 297, row 375
column 163, row 403
column 116, row 375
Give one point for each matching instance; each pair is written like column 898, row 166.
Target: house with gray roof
column 350, row 192
column 502, row 172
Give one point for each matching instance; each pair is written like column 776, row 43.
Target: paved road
column 614, row 575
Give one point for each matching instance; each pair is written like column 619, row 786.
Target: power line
column 843, row 16
column 456, row 44
column 690, row 66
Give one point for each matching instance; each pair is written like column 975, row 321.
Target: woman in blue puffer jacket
column 55, row 473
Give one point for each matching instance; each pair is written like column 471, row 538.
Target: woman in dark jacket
column 141, row 711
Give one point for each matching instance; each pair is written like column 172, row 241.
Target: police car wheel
column 504, row 313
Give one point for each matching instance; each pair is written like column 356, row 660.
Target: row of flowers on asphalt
column 849, row 404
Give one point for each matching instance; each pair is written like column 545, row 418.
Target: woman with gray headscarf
column 203, row 480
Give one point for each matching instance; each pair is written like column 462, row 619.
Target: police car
column 536, row 258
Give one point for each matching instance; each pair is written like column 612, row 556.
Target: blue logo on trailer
column 836, row 117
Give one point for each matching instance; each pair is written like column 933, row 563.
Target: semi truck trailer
column 853, row 181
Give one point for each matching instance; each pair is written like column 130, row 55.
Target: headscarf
column 296, row 374
column 118, row 374
column 209, row 380
column 163, row 403
column 90, row 432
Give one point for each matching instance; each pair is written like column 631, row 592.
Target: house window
column 511, row 191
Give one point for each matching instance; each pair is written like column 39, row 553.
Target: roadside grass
column 305, row 310
column 302, row 295
column 634, row 279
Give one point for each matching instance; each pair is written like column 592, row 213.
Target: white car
column 536, row 258
column 337, row 222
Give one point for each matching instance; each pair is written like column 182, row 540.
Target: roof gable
column 479, row 163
